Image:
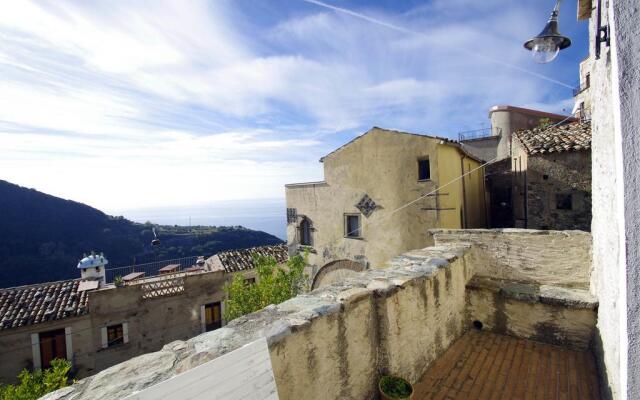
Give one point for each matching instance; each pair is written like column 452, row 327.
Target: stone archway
column 335, row 271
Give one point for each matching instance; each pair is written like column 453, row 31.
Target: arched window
column 305, row 232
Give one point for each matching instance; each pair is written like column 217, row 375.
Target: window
column 352, row 225
column 53, row 344
column 424, row 170
column 250, row 281
column 212, row 316
column 113, row 335
column 564, row 201
column 305, row 232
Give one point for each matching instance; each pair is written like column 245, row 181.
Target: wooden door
column 213, row 316
column 53, row 345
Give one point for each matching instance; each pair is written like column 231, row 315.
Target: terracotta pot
column 383, row 396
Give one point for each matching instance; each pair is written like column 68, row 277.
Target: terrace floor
column 483, row 365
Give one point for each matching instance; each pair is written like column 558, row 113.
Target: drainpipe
column 464, row 195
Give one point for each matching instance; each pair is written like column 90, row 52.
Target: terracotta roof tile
column 241, row 260
column 574, row 136
column 34, row 304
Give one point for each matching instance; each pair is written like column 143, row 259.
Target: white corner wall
column 616, row 215
column 626, row 89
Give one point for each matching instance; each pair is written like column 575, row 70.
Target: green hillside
column 42, row 237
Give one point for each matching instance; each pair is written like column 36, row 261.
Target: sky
column 140, row 104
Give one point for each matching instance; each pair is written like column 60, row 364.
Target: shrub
column 33, row 385
column 396, row 388
column 544, row 122
column 275, row 284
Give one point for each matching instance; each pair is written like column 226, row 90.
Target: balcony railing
column 150, row 269
column 581, row 88
column 477, row 134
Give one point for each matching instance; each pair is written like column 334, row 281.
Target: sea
column 268, row 215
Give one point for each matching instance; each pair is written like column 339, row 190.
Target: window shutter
column 203, row 321
column 222, row 313
column 125, row 332
column 69, row 343
column 105, row 339
column 35, row 349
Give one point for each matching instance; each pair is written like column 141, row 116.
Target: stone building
column 551, row 169
column 356, row 218
column 505, row 180
column 96, row 325
column 495, row 143
column 614, row 106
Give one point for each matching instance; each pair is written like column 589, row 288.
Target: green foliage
column 275, row 284
column 34, row 385
column 544, row 122
column 118, row 281
column 396, row 388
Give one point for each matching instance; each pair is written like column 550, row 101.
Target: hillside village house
column 96, row 325
column 350, row 221
column 523, row 195
column 551, row 169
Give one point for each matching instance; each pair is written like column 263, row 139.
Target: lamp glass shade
column 544, row 50
column 546, row 45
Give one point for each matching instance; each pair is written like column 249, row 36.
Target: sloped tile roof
column 574, row 136
column 34, row 304
column 241, row 260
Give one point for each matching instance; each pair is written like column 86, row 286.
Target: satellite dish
column 155, row 241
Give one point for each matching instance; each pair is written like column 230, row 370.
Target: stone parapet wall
column 549, row 314
column 331, row 343
column 561, row 258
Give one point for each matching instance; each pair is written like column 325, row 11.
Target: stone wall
column 331, row 343
column 17, row 351
column 549, row 175
column 151, row 323
column 561, row 258
column 607, row 224
column 154, row 322
column 548, row 314
column 626, row 70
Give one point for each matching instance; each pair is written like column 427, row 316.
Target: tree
column 275, row 284
column 34, row 385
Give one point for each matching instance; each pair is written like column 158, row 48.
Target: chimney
column 92, row 267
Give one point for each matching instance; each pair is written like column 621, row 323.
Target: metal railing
column 149, row 269
column 476, row 134
column 581, row 87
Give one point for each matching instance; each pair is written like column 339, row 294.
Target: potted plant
column 394, row 388
column 118, row 281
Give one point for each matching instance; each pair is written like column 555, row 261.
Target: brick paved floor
column 483, row 365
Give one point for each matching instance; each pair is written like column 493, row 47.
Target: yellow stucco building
column 358, row 217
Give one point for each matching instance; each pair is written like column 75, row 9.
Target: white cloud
column 158, row 102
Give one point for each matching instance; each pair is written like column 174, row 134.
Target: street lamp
column 546, row 45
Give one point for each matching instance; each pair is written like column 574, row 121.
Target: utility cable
column 422, row 34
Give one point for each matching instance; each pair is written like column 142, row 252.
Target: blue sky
column 134, row 104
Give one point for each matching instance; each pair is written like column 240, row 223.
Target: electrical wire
column 422, row 34
column 421, row 197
